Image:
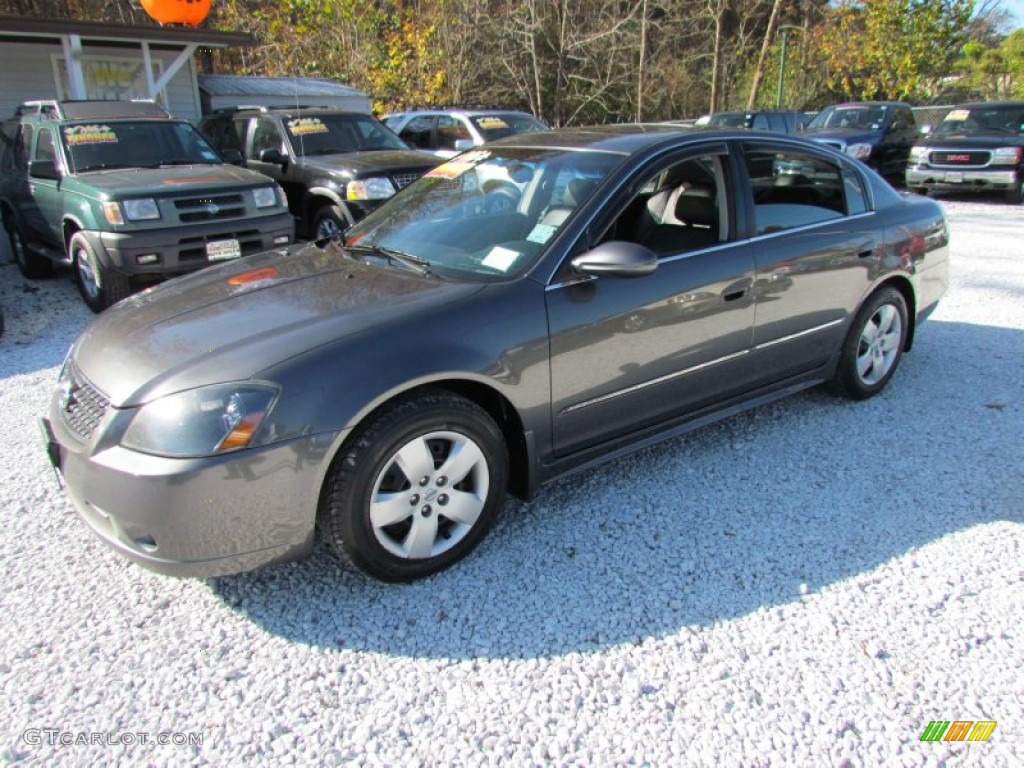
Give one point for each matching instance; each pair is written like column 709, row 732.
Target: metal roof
column 259, row 85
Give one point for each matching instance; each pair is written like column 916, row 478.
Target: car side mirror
column 617, row 258
column 44, row 169
column 926, row 130
column 272, row 156
column 232, row 156
column 461, row 145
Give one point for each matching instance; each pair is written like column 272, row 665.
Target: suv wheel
column 100, row 287
column 329, row 221
column 30, row 263
column 1015, row 196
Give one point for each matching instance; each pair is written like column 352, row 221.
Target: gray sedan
column 389, row 387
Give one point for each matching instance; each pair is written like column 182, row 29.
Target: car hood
column 972, row 140
column 230, row 322
column 847, row 135
column 174, row 180
column 368, row 163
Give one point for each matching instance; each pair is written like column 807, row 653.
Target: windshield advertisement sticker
column 302, row 126
column 491, row 122
column 89, row 134
column 455, row 168
column 956, row 115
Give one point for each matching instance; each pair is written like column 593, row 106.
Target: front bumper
column 183, row 248
column 193, row 517
column 948, row 179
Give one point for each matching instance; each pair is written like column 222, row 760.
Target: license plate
column 954, row 177
column 220, row 250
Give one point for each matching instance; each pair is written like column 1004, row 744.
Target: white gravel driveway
column 808, row 584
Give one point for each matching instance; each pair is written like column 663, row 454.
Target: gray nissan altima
column 527, row 309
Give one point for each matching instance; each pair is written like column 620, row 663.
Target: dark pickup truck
column 975, row 148
column 879, row 133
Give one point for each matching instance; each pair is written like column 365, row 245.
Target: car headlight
column 860, row 151
column 200, row 422
column 142, row 209
column 918, row 155
column 265, row 197
column 1007, row 155
column 375, row 188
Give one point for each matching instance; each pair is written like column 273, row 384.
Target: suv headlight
column 1007, row 155
column 266, row 197
column 918, row 155
column 860, row 151
column 141, row 209
column 200, row 422
column 376, row 188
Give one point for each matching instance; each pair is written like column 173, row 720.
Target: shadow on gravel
column 729, row 520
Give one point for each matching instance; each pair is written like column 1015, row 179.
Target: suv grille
column 405, row 179
column 210, row 208
column 82, row 405
column 960, row 159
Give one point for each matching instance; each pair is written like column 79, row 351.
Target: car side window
column 44, row 146
column 450, row 130
column 266, row 136
column 856, row 196
column 680, row 208
column 418, row 131
column 793, row 189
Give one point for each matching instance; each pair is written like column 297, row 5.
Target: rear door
column 815, row 245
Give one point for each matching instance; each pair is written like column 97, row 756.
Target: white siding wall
column 27, row 73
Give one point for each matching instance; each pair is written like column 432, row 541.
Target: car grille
column 210, row 208
column 82, row 405
column 963, row 159
column 405, row 179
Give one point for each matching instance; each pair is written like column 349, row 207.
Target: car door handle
column 866, row 250
column 736, row 290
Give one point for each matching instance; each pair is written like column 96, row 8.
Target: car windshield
column 328, row 134
column 135, row 144
column 998, row 120
column 863, row 117
column 498, row 126
column 487, row 214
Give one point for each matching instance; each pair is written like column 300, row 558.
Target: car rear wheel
column 873, row 346
column 416, row 488
column 329, row 221
column 30, row 263
column 100, row 287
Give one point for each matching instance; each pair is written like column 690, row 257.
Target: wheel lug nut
column 426, row 511
column 424, row 481
column 442, row 499
column 414, row 500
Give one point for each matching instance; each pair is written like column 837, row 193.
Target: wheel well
column 903, row 285
column 314, row 203
column 504, row 415
column 69, row 231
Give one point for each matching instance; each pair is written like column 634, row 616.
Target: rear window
column 498, row 126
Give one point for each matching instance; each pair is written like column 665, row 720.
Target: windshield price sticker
column 221, row 250
column 500, row 258
column 302, row 126
column 541, row 233
column 491, row 122
column 956, row 115
column 89, row 134
column 455, row 168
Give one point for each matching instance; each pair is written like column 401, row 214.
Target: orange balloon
column 189, row 12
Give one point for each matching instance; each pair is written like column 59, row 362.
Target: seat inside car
column 690, row 220
column 576, row 191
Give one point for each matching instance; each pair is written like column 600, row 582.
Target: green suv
column 126, row 195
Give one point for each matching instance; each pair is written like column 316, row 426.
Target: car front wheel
column 100, row 287
column 416, row 488
column 873, row 346
column 328, row 222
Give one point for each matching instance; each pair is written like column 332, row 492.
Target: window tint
column 450, row 130
column 793, row 189
column 418, row 131
column 856, row 197
column 680, row 208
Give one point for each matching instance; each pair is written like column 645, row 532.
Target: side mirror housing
column 272, row 156
column 232, row 156
column 44, row 169
column 617, row 258
column 461, row 145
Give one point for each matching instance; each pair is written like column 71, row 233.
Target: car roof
column 983, row 104
column 458, row 111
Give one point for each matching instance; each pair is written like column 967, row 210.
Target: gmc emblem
column 958, row 158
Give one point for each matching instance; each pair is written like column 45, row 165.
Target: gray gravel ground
column 808, row 584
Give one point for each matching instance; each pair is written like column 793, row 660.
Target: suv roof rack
column 92, row 109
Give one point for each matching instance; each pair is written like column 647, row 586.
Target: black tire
column 1015, row 196
column 873, row 347
column 923, row 191
column 31, row 264
column 329, row 221
column 423, row 428
column 100, row 286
